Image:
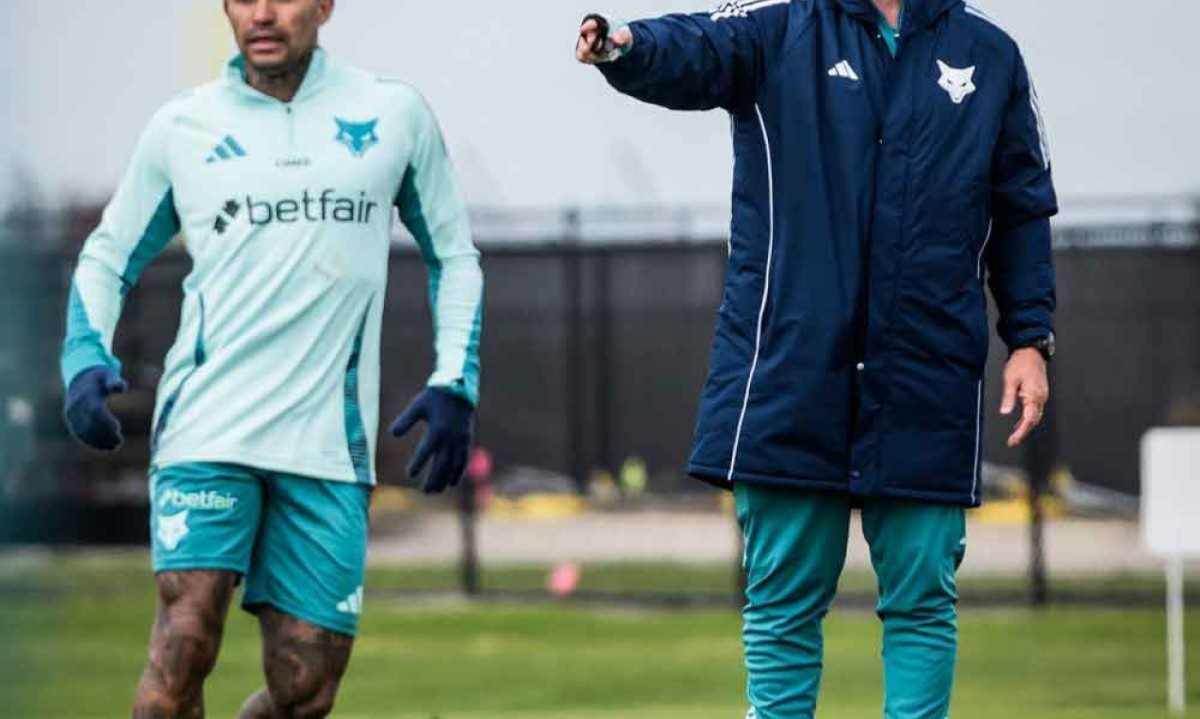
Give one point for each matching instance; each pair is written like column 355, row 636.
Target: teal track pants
column 795, row 551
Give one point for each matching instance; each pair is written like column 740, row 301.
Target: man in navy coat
column 889, row 158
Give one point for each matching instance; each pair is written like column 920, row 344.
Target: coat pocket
column 957, row 216
column 943, row 313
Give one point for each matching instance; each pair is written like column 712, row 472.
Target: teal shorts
column 300, row 543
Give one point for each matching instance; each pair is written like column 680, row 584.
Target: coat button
column 855, row 474
column 861, row 366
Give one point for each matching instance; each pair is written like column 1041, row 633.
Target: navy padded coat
column 872, row 195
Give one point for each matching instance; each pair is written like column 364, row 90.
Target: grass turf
column 74, row 634
column 100, row 571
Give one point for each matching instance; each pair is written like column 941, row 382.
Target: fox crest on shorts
column 172, row 528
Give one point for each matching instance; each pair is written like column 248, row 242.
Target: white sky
column 528, row 127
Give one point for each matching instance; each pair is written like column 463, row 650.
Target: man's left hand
column 1025, row 379
column 447, row 438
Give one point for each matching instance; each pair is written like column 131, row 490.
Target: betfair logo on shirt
column 327, row 206
column 228, row 214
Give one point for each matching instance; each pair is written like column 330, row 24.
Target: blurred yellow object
column 1054, row 508
column 391, row 500
column 207, row 41
column 602, row 489
column 1016, row 511
column 726, row 503
column 538, row 506
column 634, row 477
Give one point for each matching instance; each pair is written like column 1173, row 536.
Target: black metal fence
column 594, row 353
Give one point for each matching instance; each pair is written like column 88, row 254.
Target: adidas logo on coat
column 843, row 69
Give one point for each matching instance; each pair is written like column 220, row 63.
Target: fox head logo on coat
column 358, row 137
column 957, row 83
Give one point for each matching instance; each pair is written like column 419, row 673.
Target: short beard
column 284, row 77
column 282, row 70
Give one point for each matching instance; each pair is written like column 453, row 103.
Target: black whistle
column 600, row 44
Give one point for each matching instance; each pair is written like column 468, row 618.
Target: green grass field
column 74, row 634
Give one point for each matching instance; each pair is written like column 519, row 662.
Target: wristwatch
column 1044, row 345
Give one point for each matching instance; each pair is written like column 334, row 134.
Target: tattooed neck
column 282, row 84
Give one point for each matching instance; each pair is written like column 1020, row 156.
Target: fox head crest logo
column 957, row 83
column 172, row 528
column 358, row 137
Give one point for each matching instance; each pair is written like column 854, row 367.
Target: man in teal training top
column 280, row 178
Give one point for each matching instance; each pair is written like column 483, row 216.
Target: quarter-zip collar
column 918, row 14
column 314, row 78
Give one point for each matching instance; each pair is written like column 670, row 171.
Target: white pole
column 1175, row 650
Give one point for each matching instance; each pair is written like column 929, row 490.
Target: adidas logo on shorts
column 353, row 603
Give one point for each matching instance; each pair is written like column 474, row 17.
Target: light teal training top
column 286, row 212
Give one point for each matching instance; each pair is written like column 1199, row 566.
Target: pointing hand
column 599, row 42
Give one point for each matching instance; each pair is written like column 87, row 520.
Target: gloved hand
column 447, row 439
column 602, row 40
column 86, row 410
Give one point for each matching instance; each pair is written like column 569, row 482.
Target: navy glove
column 86, row 411
column 447, row 439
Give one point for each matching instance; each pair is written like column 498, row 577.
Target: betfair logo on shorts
column 201, row 501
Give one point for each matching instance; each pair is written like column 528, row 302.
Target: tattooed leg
column 304, row 665
column 184, row 643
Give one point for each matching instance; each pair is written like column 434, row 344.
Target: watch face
column 1047, row 345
